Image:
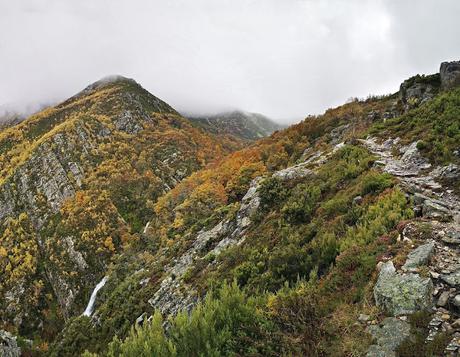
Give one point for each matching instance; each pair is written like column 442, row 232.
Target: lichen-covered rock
column 249, row 204
column 452, row 279
column 419, row 256
column 293, row 172
column 402, row 294
column 388, row 337
column 8, row 345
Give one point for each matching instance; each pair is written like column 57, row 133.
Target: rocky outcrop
column 448, row 172
column 418, row 257
column 388, row 336
column 173, row 295
column 402, row 294
column 337, row 134
column 411, row 162
column 293, row 172
column 450, row 74
column 417, row 90
column 8, row 345
column 52, row 172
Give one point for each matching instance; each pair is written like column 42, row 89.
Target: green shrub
column 375, row 183
column 224, row 324
column 301, row 203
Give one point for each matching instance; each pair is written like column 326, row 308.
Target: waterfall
column 146, row 227
column 89, row 309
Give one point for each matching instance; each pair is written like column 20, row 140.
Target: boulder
column 388, row 337
column 452, row 279
column 418, row 257
column 450, row 74
column 402, row 294
column 293, row 172
column 456, row 300
column 443, row 299
column 434, row 210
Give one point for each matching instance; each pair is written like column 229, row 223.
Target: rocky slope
column 243, row 125
column 273, row 250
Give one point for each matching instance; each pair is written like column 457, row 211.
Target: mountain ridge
column 238, row 123
column 268, row 250
column 90, row 156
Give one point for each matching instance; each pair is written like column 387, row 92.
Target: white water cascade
column 146, row 227
column 90, row 307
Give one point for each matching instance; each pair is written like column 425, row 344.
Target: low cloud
column 285, row 59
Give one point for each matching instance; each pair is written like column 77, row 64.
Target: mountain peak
column 113, row 79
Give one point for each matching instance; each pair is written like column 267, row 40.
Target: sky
column 282, row 58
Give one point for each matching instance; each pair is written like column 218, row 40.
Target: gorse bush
column 301, row 203
column 223, row 325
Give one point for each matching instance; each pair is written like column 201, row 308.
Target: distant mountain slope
column 78, row 181
column 244, row 125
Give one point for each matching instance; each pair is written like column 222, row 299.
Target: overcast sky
column 282, row 58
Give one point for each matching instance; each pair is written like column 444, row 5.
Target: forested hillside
column 78, row 182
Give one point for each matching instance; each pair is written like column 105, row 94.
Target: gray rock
column 452, row 279
column 387, row 269
column 402, row 294
column 141, row 318
column 410, row 164
column 451, row 237
column 412, row 157
column 456, row 300
column 419, row 256
column 388, row 336
column 8, row 345
column 379, row 351
column 173, row 294
column 127, row 123
column 338, row 133
column 454, row 345
column 293, row 172
column 357, row 200
column 450, row 74
column 443, row 298
column 249, row 204
column 413, row 93
column 449, row 172
column 434, row 210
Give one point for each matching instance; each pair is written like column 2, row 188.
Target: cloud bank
column 285, row 59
